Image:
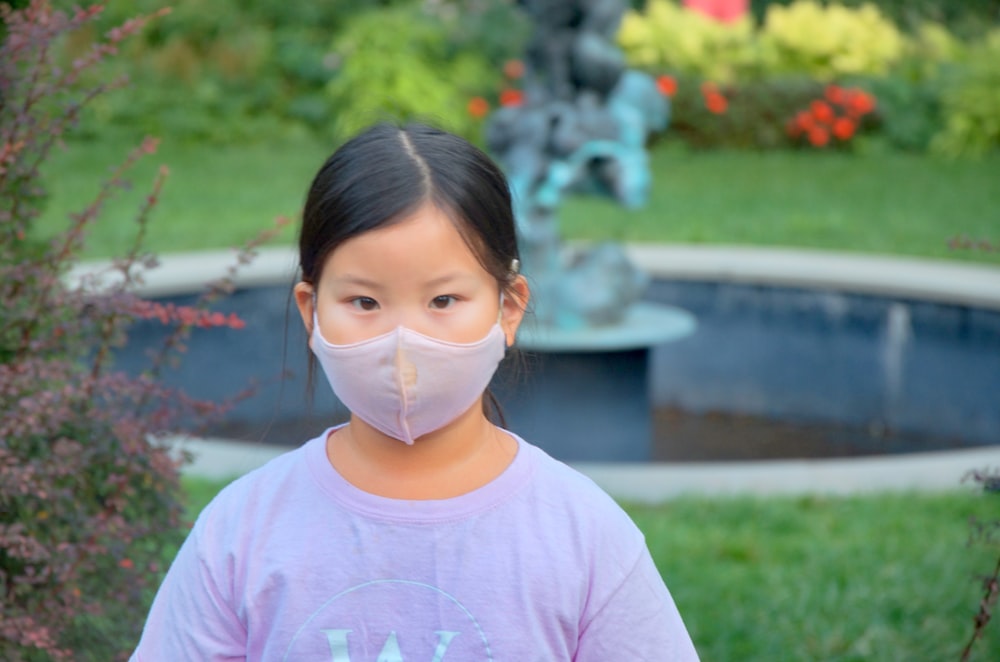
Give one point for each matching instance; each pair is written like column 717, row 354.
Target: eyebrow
column 448, row 278
column 349, row 279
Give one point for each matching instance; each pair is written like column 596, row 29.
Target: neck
column 460, row 457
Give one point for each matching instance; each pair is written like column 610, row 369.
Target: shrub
column 259, row 68
column 668, row 37
column 89, row 499
column 909, row 109
column 399, row 63
column 834, row 119
column 746, row 116
column 967, row 18
column 803, row 39
column 828, row 42
column 971, row 103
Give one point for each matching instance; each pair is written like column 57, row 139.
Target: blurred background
column 860, row 129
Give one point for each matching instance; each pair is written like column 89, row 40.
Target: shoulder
column 257, row 497
column 561, row 484
column 578, row 507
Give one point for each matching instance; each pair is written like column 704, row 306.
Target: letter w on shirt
column 390, row 650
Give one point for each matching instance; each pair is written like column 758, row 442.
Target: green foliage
column 233, row 72
column 805, row 38
column 971, row 103
column 909, row 112
column 967, row 18
column 829, row 41
column 668, row 37
column 933, row 89
column 400, row 64
column 755, row 117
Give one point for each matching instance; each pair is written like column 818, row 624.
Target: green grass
column 219, row 196
column 215, row 196
column 888, row 203
column 886, row 577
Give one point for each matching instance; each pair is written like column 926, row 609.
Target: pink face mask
column 406, row 384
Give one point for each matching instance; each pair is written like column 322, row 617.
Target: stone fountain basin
column 794, row 354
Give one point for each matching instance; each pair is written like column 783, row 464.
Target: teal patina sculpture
column 582, row 128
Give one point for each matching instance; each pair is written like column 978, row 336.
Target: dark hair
column 387, row 172
column 383, row 174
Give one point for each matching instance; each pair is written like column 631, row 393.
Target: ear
column 514, row 304
column 305, row 299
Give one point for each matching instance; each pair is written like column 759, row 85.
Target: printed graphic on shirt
column 388, row 621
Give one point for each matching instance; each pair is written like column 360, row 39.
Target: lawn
column 885, row 577
column 881, row 202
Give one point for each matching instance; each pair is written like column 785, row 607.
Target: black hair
column 385, row 173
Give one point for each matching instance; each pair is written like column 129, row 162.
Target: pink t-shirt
column 292, row 562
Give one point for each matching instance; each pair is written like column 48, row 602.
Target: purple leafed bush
column 90, row 501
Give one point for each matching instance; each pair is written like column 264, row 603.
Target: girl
column 419, row 530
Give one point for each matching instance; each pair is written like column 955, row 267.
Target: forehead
column 422, row 243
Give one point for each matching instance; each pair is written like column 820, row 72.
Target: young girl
column 419, row 531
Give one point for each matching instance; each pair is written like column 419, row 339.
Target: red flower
column 804, row 120
column 835, row 94
column 513, row 69
column 511, row 97
column 667, row 85
column 819, row 136
column 843, row 128
column 128, row 564
column 822, row 111
column 860, row 103
column 716, row 103
column 478, row 107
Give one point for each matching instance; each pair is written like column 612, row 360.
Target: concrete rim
column 221, row 459
column 934, row 280
column 938, row 281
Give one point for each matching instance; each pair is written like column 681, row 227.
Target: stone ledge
column 939, row 281
column 219, row 459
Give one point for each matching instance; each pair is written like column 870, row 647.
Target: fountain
column 841, row 355
column 582, row 128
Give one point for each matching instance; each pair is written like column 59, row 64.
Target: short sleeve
column 191, row 618
column 638, row 622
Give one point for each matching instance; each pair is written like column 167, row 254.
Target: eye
column 443, row 301
column 364, row 303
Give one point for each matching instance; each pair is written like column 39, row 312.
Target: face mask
column 406, row 384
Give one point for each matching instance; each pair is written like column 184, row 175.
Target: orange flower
column 667, row 85
column 819, row 136
column 478, row 107
column 860, row 103
column 843, row 128
column 835, row 94
column 804, row 120
column 128, row 564
column 513, row 69
column 716, row 103
column 511, row 97
column 822, row 111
